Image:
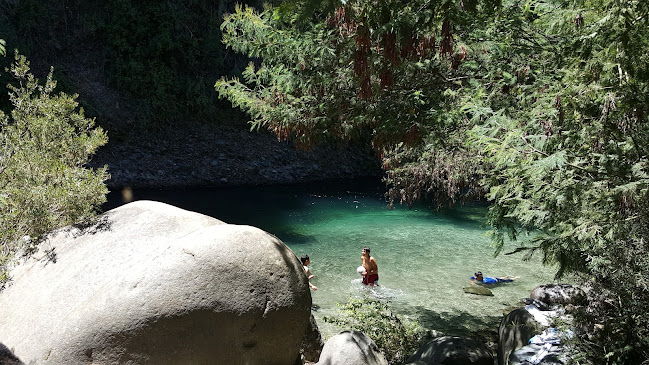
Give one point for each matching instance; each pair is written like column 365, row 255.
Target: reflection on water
column 425, row 258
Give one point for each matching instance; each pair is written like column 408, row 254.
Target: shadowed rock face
column 210, row 155
column 452, row 350
column 560, row 294
column 515, row 330
column 7, row 357
column 312, row 343
column 155, row 284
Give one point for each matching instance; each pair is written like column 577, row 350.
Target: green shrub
column 397, row 338
column 45, row 143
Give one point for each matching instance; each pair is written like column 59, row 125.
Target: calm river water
column 425, row 258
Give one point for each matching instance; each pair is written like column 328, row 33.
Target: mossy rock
column 478, row 290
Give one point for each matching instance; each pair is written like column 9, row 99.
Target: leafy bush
column 45, row 143
column 395, row 337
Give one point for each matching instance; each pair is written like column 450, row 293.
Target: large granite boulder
column 155, row 284
column 351, row 347
column 559, row 294
column 452, row 350
column 515, row 330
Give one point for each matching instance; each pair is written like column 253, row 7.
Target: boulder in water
column 561, row 294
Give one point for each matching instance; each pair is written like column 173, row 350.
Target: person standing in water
column 371, row 274
column 305, row 263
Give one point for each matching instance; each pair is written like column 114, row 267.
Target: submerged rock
column 478, row 290
column 155, row 284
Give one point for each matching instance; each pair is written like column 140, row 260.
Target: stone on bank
column 351, row 347
column 155, row 284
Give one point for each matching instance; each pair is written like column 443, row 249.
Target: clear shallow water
column 424, row 258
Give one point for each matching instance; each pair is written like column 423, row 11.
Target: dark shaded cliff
column 146, row 72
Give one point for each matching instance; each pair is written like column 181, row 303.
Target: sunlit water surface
column 425, row 258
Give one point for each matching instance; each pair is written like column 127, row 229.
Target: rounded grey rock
column 155, row 284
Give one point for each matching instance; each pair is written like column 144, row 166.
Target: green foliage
column 397, row 338
column 541, row 105
column 568, row 150
column 162, row 57
column 45, row 143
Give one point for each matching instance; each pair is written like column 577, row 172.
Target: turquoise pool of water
column 425, row 258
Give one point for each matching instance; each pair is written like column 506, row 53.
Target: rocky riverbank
column 205, row 155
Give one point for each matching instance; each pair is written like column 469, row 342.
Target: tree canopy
column 540, row 106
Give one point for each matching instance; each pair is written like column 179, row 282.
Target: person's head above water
column 366, row 249
column 478, row 276
column 304, row 259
